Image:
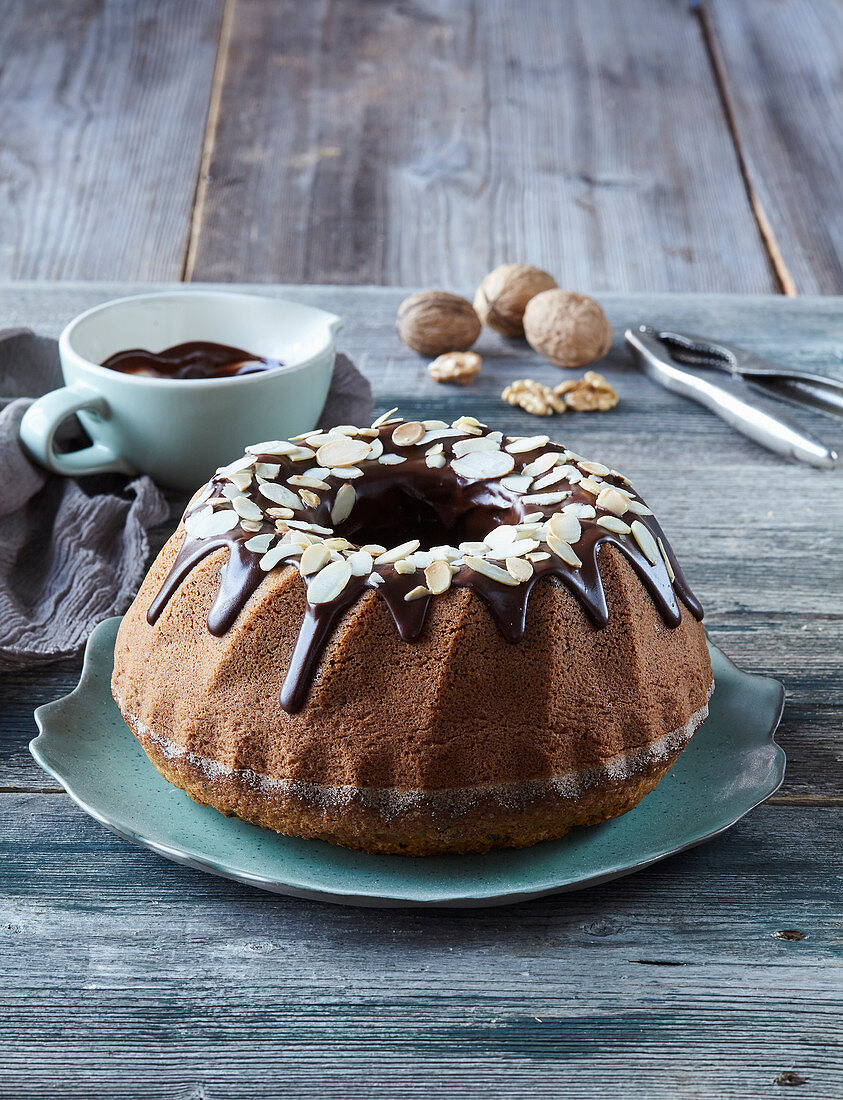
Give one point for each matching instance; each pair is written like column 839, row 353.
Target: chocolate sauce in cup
column 193, row 359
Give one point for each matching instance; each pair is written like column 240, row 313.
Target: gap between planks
column 781, row 273
column 200, row 191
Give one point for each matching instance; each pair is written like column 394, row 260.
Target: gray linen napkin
column 74, row 551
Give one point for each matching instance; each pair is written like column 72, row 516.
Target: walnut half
column 533, row 397
column 458, row 367
column 591, row 393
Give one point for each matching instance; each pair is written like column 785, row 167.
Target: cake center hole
column 393, row 515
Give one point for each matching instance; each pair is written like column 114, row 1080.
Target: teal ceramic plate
column 730, row 766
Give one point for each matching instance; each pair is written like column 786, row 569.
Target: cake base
column 419, row 823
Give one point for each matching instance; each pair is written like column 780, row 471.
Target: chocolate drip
column 407, row 500
column 195, row 359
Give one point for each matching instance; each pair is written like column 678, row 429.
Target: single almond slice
column 397, row 552
column 474, row 443
column 666, row 560
column 207, row 524
column 563, row 550
column 645, row 540
column 360, row 562
column 416, row 593
column 613, row 501
column 438, row 576
column 314, row 558
column 405, row 435
column 343, row 503
column 259, row 544
column 483, row 465
column 279, row 494
column 519, row 568
column 527, row 443
column 490, row 570
column 612, row 523
column 342, row 452
column 246, row 509
column 329, row 583
column 596, row 468
column 565, row 527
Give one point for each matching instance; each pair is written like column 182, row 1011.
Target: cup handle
column 42, row 419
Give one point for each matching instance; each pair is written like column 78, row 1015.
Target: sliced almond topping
column 243, row 463
column 429, row 425
column 260, row 543
column 329, row 582
column 519, row 568
column 645, row 540
column 382, row 419
column 267, row 470
column 547, row 498
column 436, row 449
column 666, row 560
column 612, row 523
column 473, row 548
column 546, row 461
column 416, row 593
column 241, row 478
column 360, row 562
column 251, row 525
column 405, row 435
column 337, row 544
column 581, row 511
column 342, row 452
column 482, row 465
column 207, row 524
column 279, row 494
column 302, row 481
column 309, row 498
column 527, row 443
column 374, row 548
column 438, row 576
column 277, row 554
column 314, row 558
column 639, row 509
column 501, row 536
column 539, row 555
column 375, row 448
column 518, row 549
column 613, row 501
column 347, row 473
column 435, row 462
column 565, row 526
column 246, row 508
column 517, row 483
column 391, row 460
column 596, row 468
column 475, row 443
column 397, row 552
column 563, row 550
column 343, row 503
column 405, row 565
column 591, row 486
column 280, row 513
column 489, row 569
column 274, row 447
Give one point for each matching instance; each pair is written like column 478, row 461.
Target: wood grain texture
column 780, row 66
column 125, row 976
column 425, row 142
column 101, row 131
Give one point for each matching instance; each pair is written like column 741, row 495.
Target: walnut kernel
column 503, row 295
column 459, row 367
column 434, row 322
column 587, row 394
column 567, row 328
column 533, row 397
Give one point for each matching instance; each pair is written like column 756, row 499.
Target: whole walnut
column 567, row 328
column 503, row 295
column 434, row 322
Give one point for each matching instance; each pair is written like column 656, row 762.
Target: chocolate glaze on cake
column 469, row 508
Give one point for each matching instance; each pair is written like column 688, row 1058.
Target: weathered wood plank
column 427, row 142
column 758, row 537
column 779, row 62
column 120, row 967
column 104, row 110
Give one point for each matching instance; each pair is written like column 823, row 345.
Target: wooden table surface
column 649, row 146
column 127, row 976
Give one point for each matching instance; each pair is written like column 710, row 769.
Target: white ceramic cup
column 180, row 430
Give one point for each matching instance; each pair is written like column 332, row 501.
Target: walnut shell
column 567, row 328
column 503, row 295
column 434, row 322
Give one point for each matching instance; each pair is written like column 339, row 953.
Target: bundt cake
column 417, row 638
